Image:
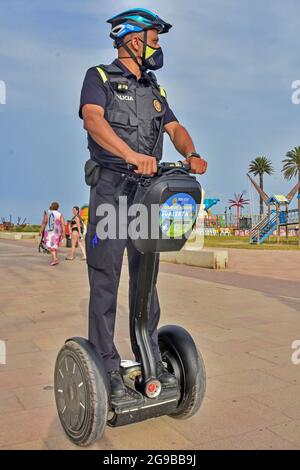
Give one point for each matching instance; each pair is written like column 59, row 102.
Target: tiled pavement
column 244, row 321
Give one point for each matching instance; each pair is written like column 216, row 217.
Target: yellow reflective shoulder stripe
column 163, row 92
column 102, row 74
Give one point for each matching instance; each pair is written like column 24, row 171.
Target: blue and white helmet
column 136, row 20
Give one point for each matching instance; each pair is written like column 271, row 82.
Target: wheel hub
column 71, row 393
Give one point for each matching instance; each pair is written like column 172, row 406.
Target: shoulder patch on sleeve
column 102, row 74
column 163, row 92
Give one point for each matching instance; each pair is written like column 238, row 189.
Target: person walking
column 77, row 232
column 53, row 227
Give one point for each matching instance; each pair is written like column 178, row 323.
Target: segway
column 82, row 393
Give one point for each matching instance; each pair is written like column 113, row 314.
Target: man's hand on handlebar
column 197, row 165
column 145, row 164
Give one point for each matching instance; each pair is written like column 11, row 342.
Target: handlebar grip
column 131, row 167
column 166, row 166
column 186, row 166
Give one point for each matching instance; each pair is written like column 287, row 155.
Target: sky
column 229, row 69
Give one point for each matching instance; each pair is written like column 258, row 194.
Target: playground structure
column 210, row 221
column 278, row 215
column 279, row 220
column 226, row 223
column 209, row 203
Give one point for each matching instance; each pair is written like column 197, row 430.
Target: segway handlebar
column 167, row 166
column 164, row 167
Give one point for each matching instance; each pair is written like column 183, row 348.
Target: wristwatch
column 192, row 154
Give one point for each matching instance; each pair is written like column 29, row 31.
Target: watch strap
column 193, row 154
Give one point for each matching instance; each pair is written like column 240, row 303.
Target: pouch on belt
column 92, row 172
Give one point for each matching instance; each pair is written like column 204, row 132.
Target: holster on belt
column 92, row 172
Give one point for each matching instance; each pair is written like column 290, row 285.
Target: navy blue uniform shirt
column 95, row 92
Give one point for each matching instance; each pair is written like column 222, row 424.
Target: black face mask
column 152, row 58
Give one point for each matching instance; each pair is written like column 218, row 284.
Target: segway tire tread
column 196, row 394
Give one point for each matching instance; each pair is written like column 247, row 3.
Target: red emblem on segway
column 153, row 388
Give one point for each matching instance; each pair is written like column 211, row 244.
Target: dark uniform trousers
column 104, row 259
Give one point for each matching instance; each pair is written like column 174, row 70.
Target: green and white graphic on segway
column 177, row 215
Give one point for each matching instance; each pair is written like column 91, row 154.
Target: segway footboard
column 137, row 407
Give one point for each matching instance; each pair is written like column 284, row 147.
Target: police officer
column 125, row 113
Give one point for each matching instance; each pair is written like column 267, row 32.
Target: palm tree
column 260, row 166
column 239, row 202
column 290, row 169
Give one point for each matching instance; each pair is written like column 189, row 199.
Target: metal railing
column 255, row 232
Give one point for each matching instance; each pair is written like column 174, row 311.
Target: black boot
column 164, row 376
column 117, row 387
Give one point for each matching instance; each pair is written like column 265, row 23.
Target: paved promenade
column 244, row 321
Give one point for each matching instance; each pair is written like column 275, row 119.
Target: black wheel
column 182, row 358
column 81, row 392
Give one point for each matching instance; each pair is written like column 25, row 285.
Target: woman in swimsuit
column 76, row 234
